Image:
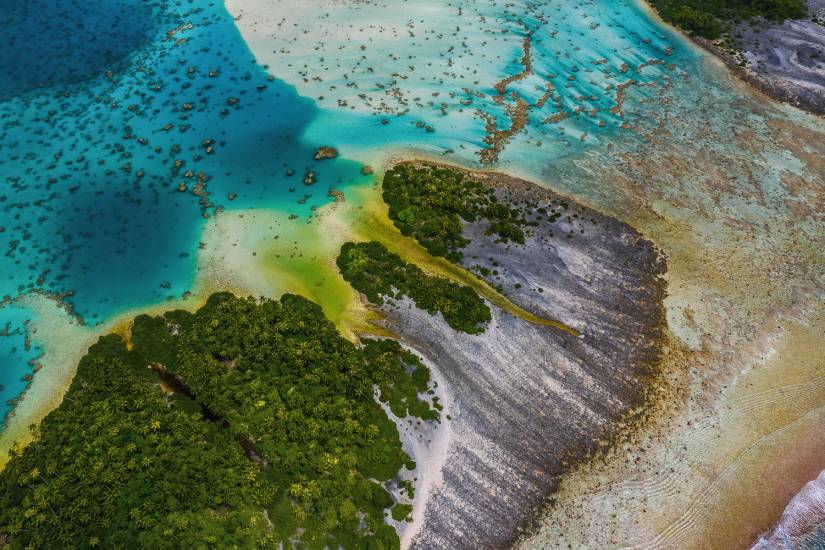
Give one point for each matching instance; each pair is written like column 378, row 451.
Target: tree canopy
column 375, row 271
column 709, row 18
column 432, row 204
column 249, row 423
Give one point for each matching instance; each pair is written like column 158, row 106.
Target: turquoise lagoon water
column 109, row 108
column 18, row 353
column 94, row 146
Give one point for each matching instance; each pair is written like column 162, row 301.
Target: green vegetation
column 400, row 512
column 248, row 424
column 431, row 205
column 373, row 270
column 710, row 18
column 408, row 488
column 404, row 376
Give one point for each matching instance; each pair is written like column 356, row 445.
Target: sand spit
column 426, row 442
column 532, row 400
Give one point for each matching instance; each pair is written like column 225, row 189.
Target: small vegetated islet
column 432, row 204
column 250, row 423
column 712, row 18
column 378, row 273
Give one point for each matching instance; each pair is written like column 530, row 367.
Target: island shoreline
column 757, row 83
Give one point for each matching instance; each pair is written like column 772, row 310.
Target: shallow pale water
column 435, row 65
column 17, row 353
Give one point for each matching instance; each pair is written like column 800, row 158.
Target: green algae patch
column 265, row 253
column 377, row 272
column 247, row 423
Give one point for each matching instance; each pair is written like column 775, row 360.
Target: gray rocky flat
column 529, row 401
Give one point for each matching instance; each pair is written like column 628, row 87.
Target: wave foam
column 802, row 525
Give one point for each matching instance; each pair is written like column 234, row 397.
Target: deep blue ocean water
column 108, row 109
column 57, row 42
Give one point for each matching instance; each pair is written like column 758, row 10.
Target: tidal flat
column 558, row 397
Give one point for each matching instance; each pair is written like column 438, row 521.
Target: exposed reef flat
column 531, row 400
column 788, row 59
column 728, row 189
column 785, row 60
column 717, row 468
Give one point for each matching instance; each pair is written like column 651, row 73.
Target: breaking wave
column 802, row 525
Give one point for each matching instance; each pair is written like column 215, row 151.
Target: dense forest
column 710, row 18
column 250, row 423
column 431, row 205
column 376, row 272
